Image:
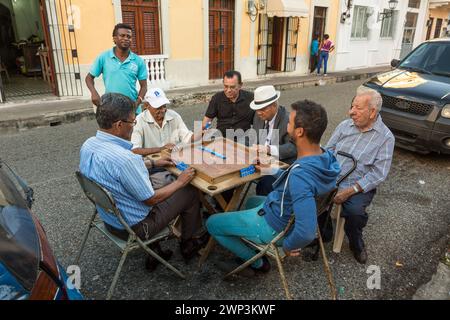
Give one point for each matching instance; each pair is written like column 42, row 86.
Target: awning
column 287, row 8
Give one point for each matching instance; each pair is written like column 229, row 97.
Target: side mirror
column 395, row 63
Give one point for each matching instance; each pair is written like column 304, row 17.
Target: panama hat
column 264, row 96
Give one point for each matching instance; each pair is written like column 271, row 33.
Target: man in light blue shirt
column 367, row 138
column 120, row 67
column 107, row 159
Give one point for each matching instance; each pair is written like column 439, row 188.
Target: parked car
column 416, row 98
column 28, row 268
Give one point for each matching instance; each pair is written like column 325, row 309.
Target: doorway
column 318, row 30
column 277, row 44
column 409, row 32
column 221, row 39
column 39, row 57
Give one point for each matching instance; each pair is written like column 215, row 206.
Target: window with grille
column 414, row 4
column 388, row 25
column 143, row 17
column 359, row 24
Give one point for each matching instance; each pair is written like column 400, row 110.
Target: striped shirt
column 108, row 160
column 372, row 150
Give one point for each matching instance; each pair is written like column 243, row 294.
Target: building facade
column 190, row 43
column 438, row 23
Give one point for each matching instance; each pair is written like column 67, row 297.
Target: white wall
column 375, row 51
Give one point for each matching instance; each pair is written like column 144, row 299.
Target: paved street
column 409, row 222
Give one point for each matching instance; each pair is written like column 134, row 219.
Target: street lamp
column 388, row 13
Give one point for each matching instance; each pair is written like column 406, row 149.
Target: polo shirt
column 231, row 115
column 148, row 134
column 108, row 160
column 118, row 76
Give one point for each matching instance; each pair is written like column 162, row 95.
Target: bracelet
column 355, row 188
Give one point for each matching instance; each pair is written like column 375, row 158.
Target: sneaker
column 325, row 75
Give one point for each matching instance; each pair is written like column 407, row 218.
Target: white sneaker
column 325, row 75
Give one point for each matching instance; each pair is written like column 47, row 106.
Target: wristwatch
column 355, row 188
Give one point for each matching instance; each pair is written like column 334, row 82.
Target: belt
column 261, row 212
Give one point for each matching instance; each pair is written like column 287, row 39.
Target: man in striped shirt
column 107, row 159
column 367, row 138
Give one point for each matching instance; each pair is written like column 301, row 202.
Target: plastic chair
column 102, row 198
column 324, row 205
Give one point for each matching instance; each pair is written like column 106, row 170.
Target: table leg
column 227, row 208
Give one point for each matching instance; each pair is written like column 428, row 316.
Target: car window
column 432, row 57
column 19, row 242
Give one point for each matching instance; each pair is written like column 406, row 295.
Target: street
column 406, row 234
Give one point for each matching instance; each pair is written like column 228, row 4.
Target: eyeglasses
column 134, row 122
column 230, row 87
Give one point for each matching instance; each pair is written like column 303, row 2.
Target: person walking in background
column 326, row 47
column 314, row 53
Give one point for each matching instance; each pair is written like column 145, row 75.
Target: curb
column 46, row 120
column 178, row 99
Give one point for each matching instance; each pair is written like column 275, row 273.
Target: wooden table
column 215, row 186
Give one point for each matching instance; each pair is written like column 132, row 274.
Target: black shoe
column 265, row 267
column 360, row 256
column 230, row 265
column 151, row 262
column 189, row 249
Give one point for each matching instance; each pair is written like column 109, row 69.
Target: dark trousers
column 184, row 202
column 264, row 186
column 313, row 62
column 354, row 212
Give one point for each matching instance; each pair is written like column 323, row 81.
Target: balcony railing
column 156, row 70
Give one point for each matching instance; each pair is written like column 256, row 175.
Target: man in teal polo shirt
column 120, row 67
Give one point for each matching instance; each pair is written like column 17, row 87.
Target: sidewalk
column 51, row 112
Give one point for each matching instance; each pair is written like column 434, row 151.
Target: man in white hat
column 270, row 122
column 157, row 127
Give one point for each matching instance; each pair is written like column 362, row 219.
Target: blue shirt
column 120, row 76
column 372, row 150
column 314, row 47
column 308, row 177
column 108, row 160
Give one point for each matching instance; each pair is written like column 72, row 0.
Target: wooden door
column 221, row 40
column 320, row 17
column 277, row 43
column 143, row 17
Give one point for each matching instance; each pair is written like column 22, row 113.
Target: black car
column 416, row 98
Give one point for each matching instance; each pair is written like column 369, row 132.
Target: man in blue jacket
column 313, row 173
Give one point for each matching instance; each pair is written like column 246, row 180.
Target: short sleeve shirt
column 231, row 115
column 118, row 76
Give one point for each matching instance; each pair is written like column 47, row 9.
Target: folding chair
column 324, row 205
column 102, row 198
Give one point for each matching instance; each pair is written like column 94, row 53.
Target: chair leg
column 157, row 257
column 327, row 268
column 247, row 263
column 85, row 237
column 116, row 275
column 282, row 275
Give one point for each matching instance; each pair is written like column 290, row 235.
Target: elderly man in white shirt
column 158, row 128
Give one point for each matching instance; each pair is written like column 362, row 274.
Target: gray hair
column 376, row 101
column 113, row 107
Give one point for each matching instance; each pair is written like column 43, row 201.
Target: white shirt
column 273, row 149
column 148, row 134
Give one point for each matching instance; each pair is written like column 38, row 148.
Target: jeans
column 264, row 186
column 228, row 229
column 354, row 211
column 323, row 56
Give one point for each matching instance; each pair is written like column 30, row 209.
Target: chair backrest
column 325, row 201
column 97, row 194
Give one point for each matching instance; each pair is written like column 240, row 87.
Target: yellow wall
column 97, row 23
column 439, row 13
column 186, row 29
column 246, row 32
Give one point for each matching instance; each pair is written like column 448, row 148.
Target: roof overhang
column 287, row 8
